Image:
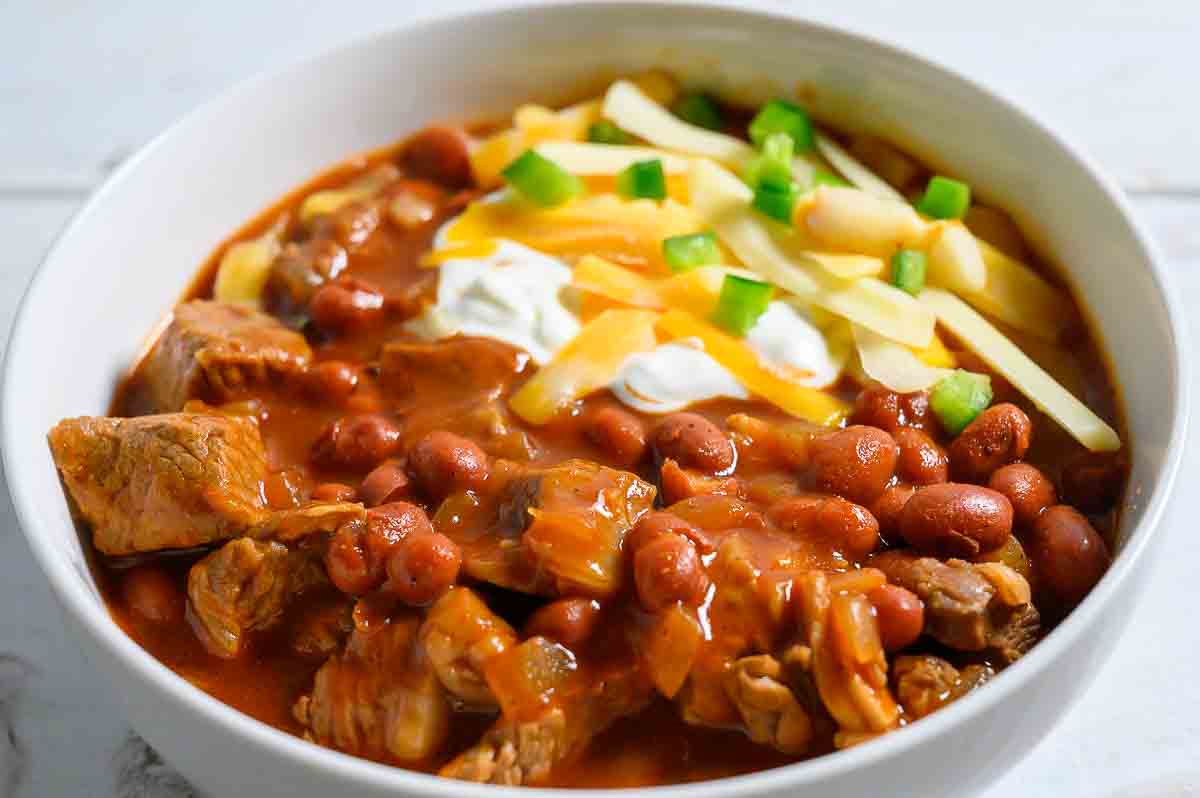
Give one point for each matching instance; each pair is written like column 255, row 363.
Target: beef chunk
column 968, row 607
column 557, row 529
column 307, row 520
column 452, row 368
column 162, row 482
column 300, row 270
column 461, row 635
column 380, row 697
column 320, row 629
column 926, row 683
column 213, row 350
column 770, row 711
column 1016, row 633
column 244, row 586
column 524, row 749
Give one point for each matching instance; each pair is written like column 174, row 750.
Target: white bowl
column 131, row 251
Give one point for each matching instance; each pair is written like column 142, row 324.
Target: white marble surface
column 81, row 85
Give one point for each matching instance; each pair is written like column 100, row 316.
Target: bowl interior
column 131, row 252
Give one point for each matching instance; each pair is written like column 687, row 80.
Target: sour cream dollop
column 514, row 294
column 785, row 338
column 672, row 376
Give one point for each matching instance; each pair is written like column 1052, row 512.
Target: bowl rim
column 94, row 618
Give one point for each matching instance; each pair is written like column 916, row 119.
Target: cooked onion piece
column 246, row 265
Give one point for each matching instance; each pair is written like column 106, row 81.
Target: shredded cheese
column 583, row 158
column 892, row 364
column 851, row 169
column 955, row 261
column 1017, row 295
column 745, row 364
column 633, row 111
column 1017, row 367
column 616, row 283
column 588, row 363
column 722, row 200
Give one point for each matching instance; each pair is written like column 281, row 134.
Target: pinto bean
column 901, row 616
column 150, row 592
column 422, row 567
column 440, row 154
column 1093, row 481
column 442, row 463
column 357, row 554
column 357, row 441
column 888, row 506
column 667, row 570
column 879, row 406
column 653, row 525
column 1067, row 553
column 921, row 462
column 569, row 621
column 856, row 462
column 1026, row 488
column 387, row 482
column 331, row 381
column 694, row 442
column 345, row 304
column 997, row 436
column 347, row 564
column 620, row 434
column 334, row 492
column 956, row 519
column 850, row 527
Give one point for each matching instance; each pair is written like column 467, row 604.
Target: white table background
column 83, row 85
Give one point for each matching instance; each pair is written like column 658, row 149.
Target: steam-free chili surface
column 715, row 571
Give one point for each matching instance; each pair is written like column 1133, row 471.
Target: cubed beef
column 307, row 520
column 379, row 697
column 927, row 683
column 300, row 270
column 450, row 368
column 213, row 351
column 965, row 607
column 771, row 713
column 162, row 482
column 525, row 750
column 244, row 586
column 461, row 635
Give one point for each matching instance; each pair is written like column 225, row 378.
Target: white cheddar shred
column 892, row 364
column 1017, row 295
column 955, row 261
column 633, row 111
column 721, row 199
column 584, row 158
column 1025, row 375
column 855, row 172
